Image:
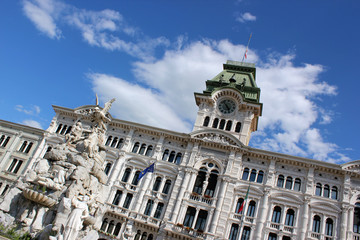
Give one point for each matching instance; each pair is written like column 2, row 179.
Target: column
column 262, row 214
column 350, row 222
column 115, row 173
column 223, row 187
column 344, row 222
column 142, row 192
column 305, row 219
column 180, row 195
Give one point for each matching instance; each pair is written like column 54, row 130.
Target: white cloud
column 43, row 13
column 246, row 17
column 32, row 110
column 164, row 95
column 98, row 28
column 32, row 123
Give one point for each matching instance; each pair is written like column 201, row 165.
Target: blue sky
column 152, row 55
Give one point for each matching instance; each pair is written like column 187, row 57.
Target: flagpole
column 243, row 210
column 246, row 48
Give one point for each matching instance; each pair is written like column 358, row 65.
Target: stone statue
column 76, row 133
column 75, row 220
column 99, row 116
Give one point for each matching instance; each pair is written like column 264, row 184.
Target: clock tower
column 231, row 102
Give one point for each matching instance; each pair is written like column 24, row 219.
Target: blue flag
column 146, row 170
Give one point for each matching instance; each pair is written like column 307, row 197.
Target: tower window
column 238, row 127
column 215, row 123
column 228, row 125
column 206, row 121
column 222, row 124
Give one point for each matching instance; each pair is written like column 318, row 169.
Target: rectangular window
column 127, row 200
column 246, row 233
column 117, row 197
column 15, row 165
column 158, row 210
column 189, row 217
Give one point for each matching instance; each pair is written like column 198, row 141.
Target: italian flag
column 243, row 203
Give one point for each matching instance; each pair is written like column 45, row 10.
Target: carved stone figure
column 76, row 217
column 76, row 134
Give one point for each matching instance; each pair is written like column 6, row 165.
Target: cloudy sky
column 153, row 55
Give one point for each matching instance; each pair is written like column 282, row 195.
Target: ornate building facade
column 208, row 184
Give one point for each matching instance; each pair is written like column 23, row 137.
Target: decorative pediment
column 217, row 136
column 352, row 166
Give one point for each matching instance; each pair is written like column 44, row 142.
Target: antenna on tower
column 245, row 54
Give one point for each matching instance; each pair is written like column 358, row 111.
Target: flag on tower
column 146, row 170
column 243, row 203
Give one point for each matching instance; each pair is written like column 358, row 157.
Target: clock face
column 227, row 106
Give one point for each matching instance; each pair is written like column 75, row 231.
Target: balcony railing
column 356, row 236
column 189, row 231
column 199, row 198
column 282, row 227
column 247, row 219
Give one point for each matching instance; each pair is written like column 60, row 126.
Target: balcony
column 247, row 219
column 190, row 232
column 199, row 198
column 314, row 235
column 147, row 219
column 282, row 227
column 356, row 236
column 118, row 209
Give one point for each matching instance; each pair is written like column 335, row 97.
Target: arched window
column 228, row 125
column 272, row 236
column 2, row 139
column 136, row 147
column 59, row 128
column 251, row 209
column 215, row 123
column 329, row 227
column 246, row 233
column 189, row 217
column 238, row 127
column 157, row 184
column 127, row 201
column 108, row 141
column 297, row 185
column 135, row 180
column 117, row 229
column 318, row 190
column 316, row 224
column 289, row 220
column 238, row 205
column 234, row 231
column 117, row 197
column 114, row 142
column 138, row 235
column 260, row 177
column 206, row 121
column 276, row 215
column 68, row 130
column 158, row 210
column 6, row 142
column 148, row 208
column 149, row 151
column 210, row 189
column 201, row 220
column 5, row 190
column 222, row 124
column 167, row 185
column 142, row 149
column 111, row 227
column 280, row 181
column 288, row 184
column 23, row 146
column 165, row 155
column 126, row 175
column 253, row 175
column 356, row 220
column 151, row 237
column 144, row 235
column 171, row 157
column 326, row 191
column 107, row 168
column 63, row 130
column 334, row 192
column 178, row 158
column 245, row 175
column 29, row 147
column 198, row 186
column 120, row 143
column 104, row 224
